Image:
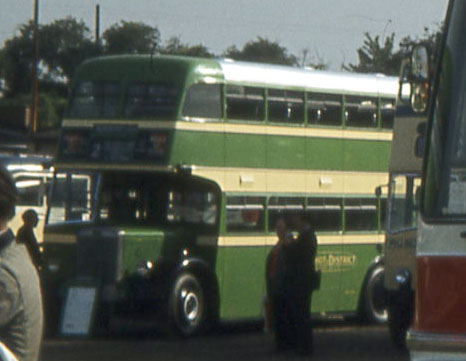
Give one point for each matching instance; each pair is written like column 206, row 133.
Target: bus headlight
column 403, row 277
column 145, row 268
column 53, row 267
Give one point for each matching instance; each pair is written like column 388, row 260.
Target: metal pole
column 97, row 24
column 35, row 61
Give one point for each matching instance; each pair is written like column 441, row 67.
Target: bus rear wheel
column 187, row 309
column 375, row 297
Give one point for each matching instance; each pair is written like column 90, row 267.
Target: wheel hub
column 190, row 306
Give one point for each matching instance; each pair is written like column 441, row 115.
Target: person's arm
column 9, row 297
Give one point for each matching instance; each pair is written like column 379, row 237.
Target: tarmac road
column 333, row 341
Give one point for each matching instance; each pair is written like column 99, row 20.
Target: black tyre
column 375, row 297
column 187, row 309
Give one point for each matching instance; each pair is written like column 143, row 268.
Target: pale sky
column 331, row 30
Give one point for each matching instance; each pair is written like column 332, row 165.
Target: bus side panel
column 286, row 152
column 441, row 294
column 366, row 155
column 327, row 298
column 245, row 150
column 243, row 282
column 190, row 147
column 354, row 265
column 324, row 153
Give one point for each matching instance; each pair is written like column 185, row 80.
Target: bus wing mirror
column 378, row 190
column 419, row 78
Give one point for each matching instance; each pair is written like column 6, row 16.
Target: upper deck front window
column 95, row 100
column 203, row 101
column 150, row 100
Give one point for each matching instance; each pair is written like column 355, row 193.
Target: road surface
column 333, row 341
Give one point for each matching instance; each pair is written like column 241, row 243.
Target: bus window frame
column 389, row 229
column 94, row 200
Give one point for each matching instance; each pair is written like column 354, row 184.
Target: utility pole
column 35, row 63
column 97, row 24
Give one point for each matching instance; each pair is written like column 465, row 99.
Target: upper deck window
column 324, row 109
column 203, row 101
column 285, row 106
column 387, row 109
column 148, row 100
column 245, row 103
column 95, row 100
column 361, row 111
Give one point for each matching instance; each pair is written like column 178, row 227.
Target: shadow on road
column 344, row 340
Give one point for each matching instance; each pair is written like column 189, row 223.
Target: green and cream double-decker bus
column 172, row 171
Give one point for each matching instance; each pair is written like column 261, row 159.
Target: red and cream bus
column 439, row 328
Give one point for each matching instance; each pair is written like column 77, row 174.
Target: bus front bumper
column 427, row 346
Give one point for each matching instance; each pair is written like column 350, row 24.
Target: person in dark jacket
column 26, row 236
column 21, row 316
column 275, row 270
column 296, row 291
column 301, row 255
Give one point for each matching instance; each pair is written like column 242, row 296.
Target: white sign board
column 78, row 311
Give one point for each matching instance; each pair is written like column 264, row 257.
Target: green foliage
column 129, row 37
column 430, row 38
column 16, row 62
column 314, row 62
column 49, row 112
column 376, row 56
column 262, row 50
column 174, row 46
column 64, row 44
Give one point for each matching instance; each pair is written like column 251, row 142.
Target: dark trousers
column 292, row 321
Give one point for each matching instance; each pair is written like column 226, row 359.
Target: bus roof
column 310, row 79
column 180, row 69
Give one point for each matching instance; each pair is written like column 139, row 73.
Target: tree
column 129, row 37
column 17, row 61
column 174, row 46
column 315, row 62
column 262, row 50
column 64, row 44
column 376, row 57
column 430, row 38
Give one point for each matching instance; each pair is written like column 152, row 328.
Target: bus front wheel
column 187, row 307
column 375, row 298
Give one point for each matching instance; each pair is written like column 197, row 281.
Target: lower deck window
column 245, row 214
column 361, row 215
column 152, row 200
column 325, row 214
column 285, row 207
